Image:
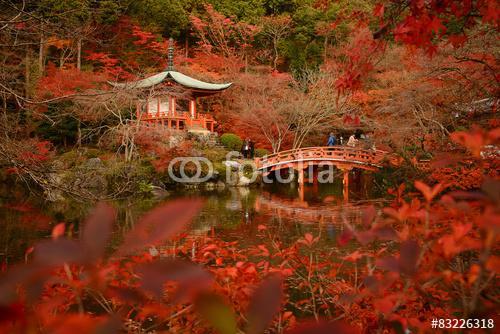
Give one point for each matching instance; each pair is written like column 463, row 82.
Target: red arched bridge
column 341, row 156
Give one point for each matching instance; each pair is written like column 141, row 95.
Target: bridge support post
column 345, row 183
column 300, row 178
column 300, row 181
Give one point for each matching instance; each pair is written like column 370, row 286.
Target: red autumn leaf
column 265, row 251
column 368, row 215
column 32, row 277
column 409, row 253
column 345, row 237
column 385, row 233
column 58, row 231
column 190, row 276
column 265, row 304
column 388, row 263
column 435, row 25
column 474, row 140
column 460, row 230
column 355, row 256
column 58, row 252
column 378, row 10
column 493, row 264
column 383, row 305
column 428, row 192
column 160, row 224
column 401, row 214
column 450, row 246
column 407, row 261
column 365, row 237
column 97, row 230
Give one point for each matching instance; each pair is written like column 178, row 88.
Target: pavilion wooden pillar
column 192, row 108
column 212, row 127
column 158, row 106
column 171, row 105
column 137, row 110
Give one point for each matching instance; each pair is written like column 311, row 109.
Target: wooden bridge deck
column 342, row 156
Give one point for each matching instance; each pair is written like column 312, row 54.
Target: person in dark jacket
column 331, row 140
column 251, row 149
column 245, row 148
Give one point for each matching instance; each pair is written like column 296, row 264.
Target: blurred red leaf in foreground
column 160, row 224
column 265, row 304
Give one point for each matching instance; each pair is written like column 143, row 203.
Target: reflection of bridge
column 302, row 211
column 343, row 157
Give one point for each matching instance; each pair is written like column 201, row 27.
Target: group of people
column 248, row 149
column 355, row 140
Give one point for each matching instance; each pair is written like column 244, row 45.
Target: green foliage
column 274, row 7
column 171, row 17
column 260, row 152
column 144, row 187
column 244, row 10
column 231, row 141
column 220, row 170
column 215, row 154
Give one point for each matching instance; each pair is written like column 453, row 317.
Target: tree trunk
column 79, row 54
column 276, row 54
column 27, row 65
column 41, row 54
column 61, row 59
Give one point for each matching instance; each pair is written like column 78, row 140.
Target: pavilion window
column 158, row 107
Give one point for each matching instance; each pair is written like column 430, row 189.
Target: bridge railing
column 332, row 153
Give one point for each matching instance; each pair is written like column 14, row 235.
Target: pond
column 232, row 214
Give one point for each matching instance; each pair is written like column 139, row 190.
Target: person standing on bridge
column 331, row 140
column 352, row 141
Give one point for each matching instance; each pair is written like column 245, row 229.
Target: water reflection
column 233, row 214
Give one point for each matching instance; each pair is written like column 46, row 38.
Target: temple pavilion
column 171, row 98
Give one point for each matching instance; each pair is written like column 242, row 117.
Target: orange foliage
column 65, row 81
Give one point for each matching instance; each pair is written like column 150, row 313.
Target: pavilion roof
column 172, row 76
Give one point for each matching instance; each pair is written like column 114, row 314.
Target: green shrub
column 260, row 152
column 231, row 141
column 215, row 154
